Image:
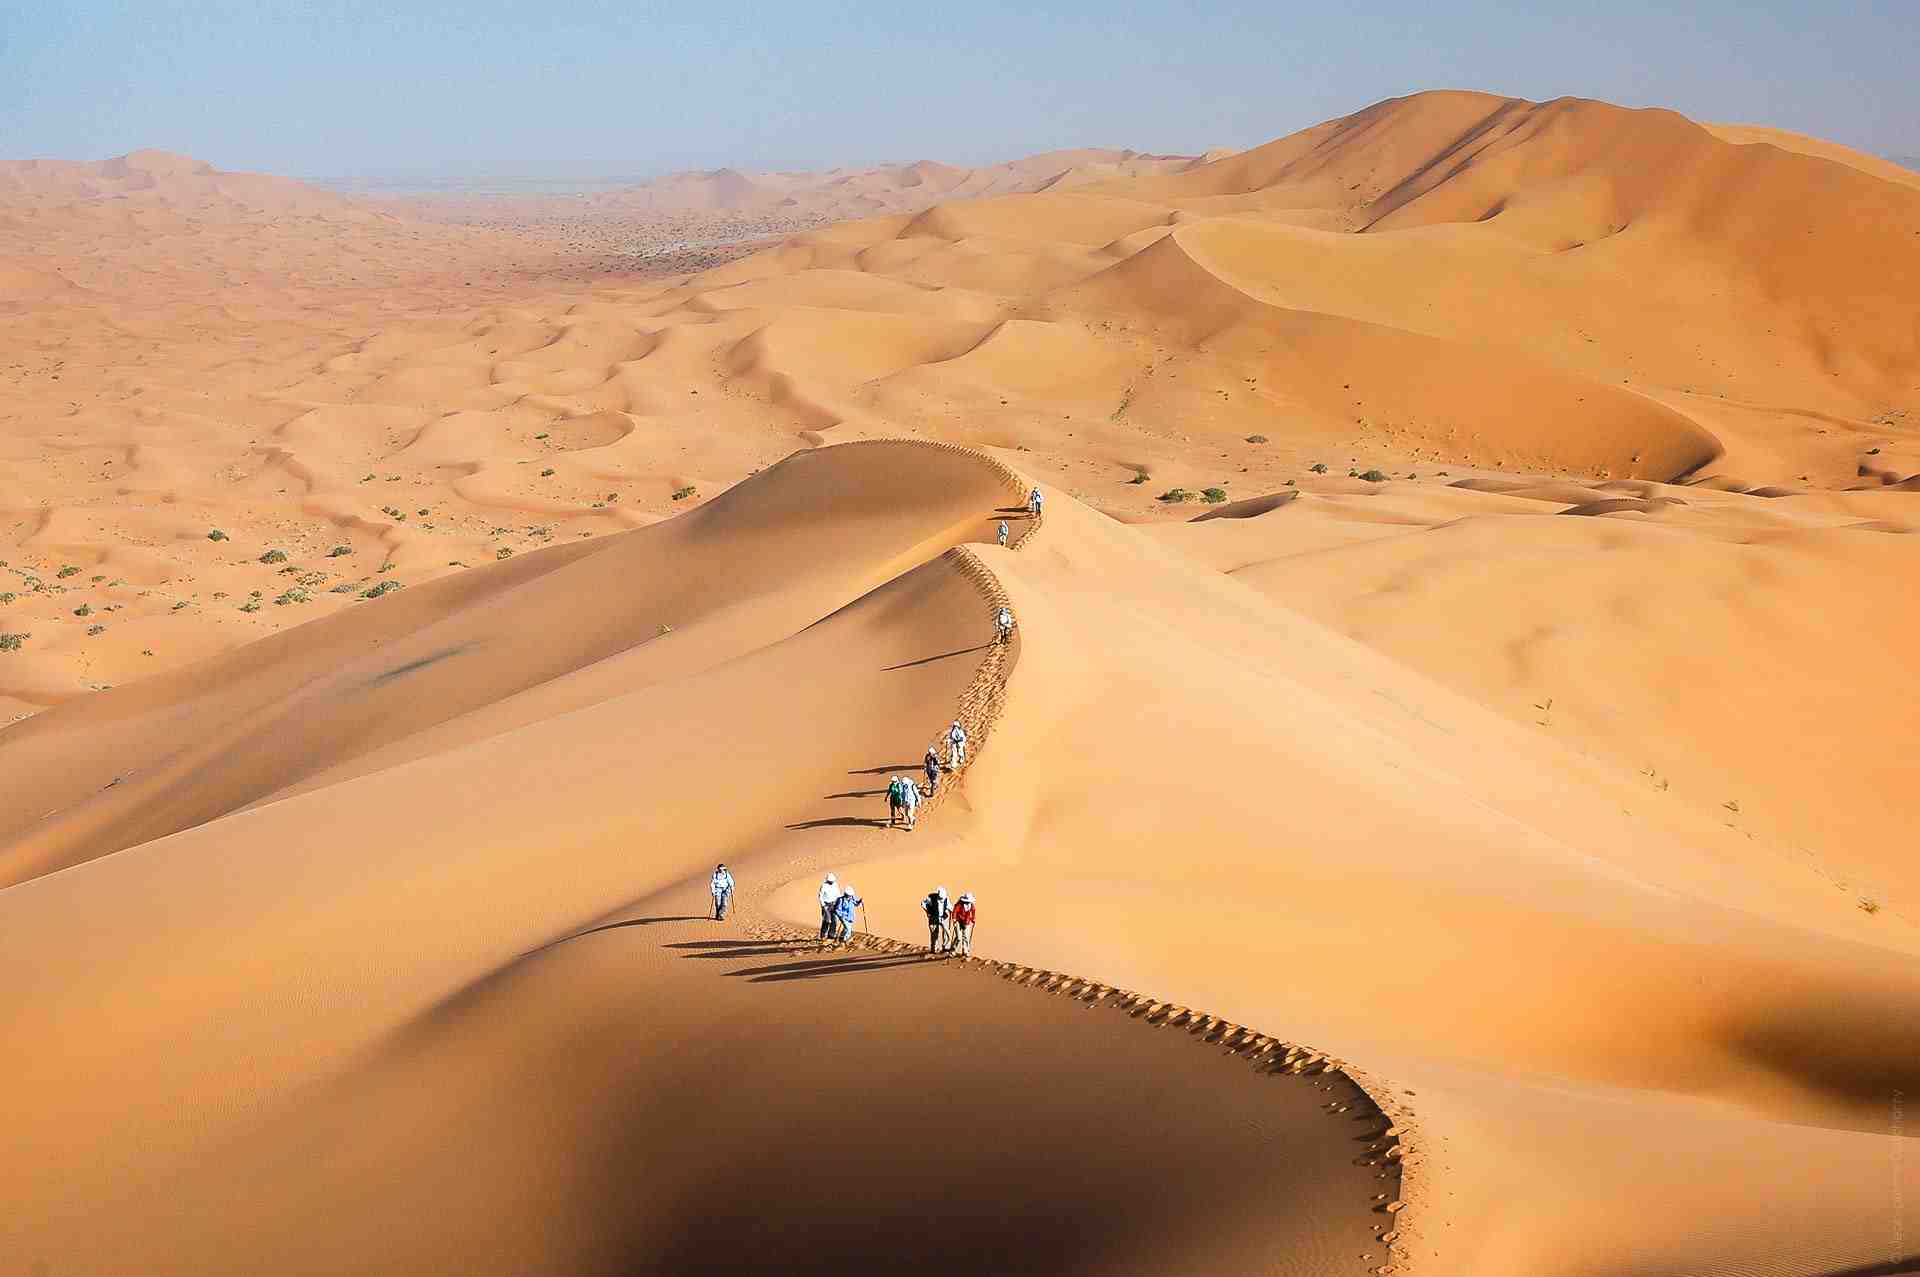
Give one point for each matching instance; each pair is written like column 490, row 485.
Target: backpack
column 932, row 905
column 896, row 793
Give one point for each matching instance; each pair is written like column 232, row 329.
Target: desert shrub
column 216, row 535
column 681, row 494
column 345, row 587
column 1174, row 496
column 423, row 512
column 504, row 552
column 6, row 597
column 177, row 606
column 97, row 579
column 1869, row 905
column 1318, row 467
column 613, row 496
column 339, row 552
column 385, row 587
column 1256, row 438
column 540, row 436
column 294, row 595
column 1374, row 476
column 85, row 609
column 96, row 629
column 251, row 605
column 274, row 556
column 1213, row 496
column 67, row 571
column 547, row 473
column 12, row 642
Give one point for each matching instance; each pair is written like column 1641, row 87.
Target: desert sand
column 1460, row 691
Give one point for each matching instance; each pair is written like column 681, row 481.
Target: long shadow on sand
column 615, row 926
column 928, row 660
column 822, row 967
column 829, row 822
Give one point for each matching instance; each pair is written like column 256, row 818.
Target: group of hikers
column 949, row 922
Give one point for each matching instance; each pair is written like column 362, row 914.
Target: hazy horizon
column 428, row 92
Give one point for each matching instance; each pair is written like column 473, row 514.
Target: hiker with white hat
column 1003, row 624
column 932, row 765
column 963, row 917
column 1002, row 532
column 843, row 913
column 910, row 799
column 896, row 799
column 1033, row 503
column 829, row 896
column 938, row 909
column 722, row 889
column 956, row 746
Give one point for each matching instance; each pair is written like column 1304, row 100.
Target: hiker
column 896, row 800
column 932, row 765
column 722, row 888
column 963, row 916
column 843, row 912
column 829, row 896
column 1003, row 532
column 1033, row 503
column 910, row 797
column 1003, row 624
column 938, row 910
column 956, row 746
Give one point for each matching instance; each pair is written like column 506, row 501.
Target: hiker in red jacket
column 963, row 916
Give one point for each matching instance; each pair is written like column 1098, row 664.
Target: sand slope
column 1349, row 813
column 1526, row 729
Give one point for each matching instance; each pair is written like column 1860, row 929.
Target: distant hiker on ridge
column 896, row 800
column 829, row 896
column 1003, row 625
column 1033, row 503
column 932, row 765
column 1003, row 532
column 956, row 746
column 722, row 889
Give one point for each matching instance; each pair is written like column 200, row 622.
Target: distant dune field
column 1441, row 809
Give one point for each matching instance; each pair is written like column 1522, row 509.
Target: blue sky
column 583, row 88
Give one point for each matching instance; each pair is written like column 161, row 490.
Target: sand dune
column 1468, row 635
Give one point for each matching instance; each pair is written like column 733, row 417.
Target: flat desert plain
column 1441, row 809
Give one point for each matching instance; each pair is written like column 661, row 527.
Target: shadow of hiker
column 827, row 822
column 928, row 660
column 1013, row 509
column 817, row 968
column 615, row 926
column 881, row 771
column 860, row 793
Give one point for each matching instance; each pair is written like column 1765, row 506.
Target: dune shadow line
column 928, row 660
